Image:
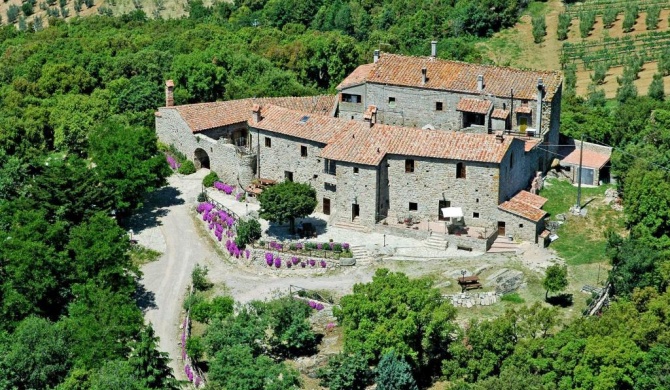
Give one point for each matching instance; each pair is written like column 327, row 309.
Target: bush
column 609, row 16
column 201, row 311
column 564, row 21
column 653, row 13
column 629, row 18
column 195, row 348
column 599, row 73
column 664, row 62
column 199, row 278
column 27, row 8
column 393, row 373
column 656, row 88
column 13, row 13
column 626, row 91
column 192, row 300
column 539, row 28
column 513, row 298
column 209, row 180
column 570, row 79
column 221, row 307
column 187, row 168
column 202, row 197
column 248, row 231
column 586, row 21
column 346, row 372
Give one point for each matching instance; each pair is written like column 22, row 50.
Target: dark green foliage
column 27, row 8
column 393, row 373
column 248, row 231
column 539, row 28
column 564, row 21
column 664, row 62
column 629, row 17
column 199, row 278
column 654, row 371
column 570, row 79
column 292, row 333
column 195, row 347
column 555, row 279
column 149, row 365
column 346, row 372
column 652, row 18
column 187, row 168
column 656, row 88
column 209, row 180
column 13, row 13
column 286, row 202
column 596, row 96
column 586, row 21
column 221, row 307
column 634, row 266
column 114, row 374
column 599, row 73
column 626, row 90
column 395, row 312
column 609, row 16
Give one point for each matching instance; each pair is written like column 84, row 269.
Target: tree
column 564, row 21
column 286, row 202
column 656, row 88
column 629, row 17
column 346, row 372
column 288, row 319
column 555, row 279
column 395, row 312
column 609, row 16
column 626, row 90
column 149, row 365
column 115, row 374
column 653, row 13
column 586, row 21
column 393, row 373
column 539, row 28
column 599, row 72
column 248, row 231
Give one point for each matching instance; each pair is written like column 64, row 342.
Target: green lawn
column 581, row 239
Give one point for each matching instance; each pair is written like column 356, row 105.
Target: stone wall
column 521, row 173
column 357, row 188
column 434, row 180
column 224, row 159
column 353, row 110
column 520, row 228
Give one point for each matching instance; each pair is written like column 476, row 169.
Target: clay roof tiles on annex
column 458, row 76
column 526, row 205
column 478, row 106
column 358, row 76
column 368, row 146
column 499, row 113
column 318, row 128
column 536, row 201
column 205, row 116
column 590, row 158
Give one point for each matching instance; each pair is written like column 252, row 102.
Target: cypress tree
column 393, row 373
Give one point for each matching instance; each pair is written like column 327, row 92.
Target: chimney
column 480, row 83
column 540, row 94
column 376, row 56
column 256, row 110
column 433, row 49
column 499, row 136
column 424, row 74
column 169, row 93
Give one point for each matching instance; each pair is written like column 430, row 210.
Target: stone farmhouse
column 392, row 167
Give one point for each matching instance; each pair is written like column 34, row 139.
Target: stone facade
column 357, row 187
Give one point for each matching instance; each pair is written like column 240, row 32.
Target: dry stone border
column 477, row 299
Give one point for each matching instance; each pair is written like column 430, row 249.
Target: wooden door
column 326, row 206
column 441, row 205
column 501, row 228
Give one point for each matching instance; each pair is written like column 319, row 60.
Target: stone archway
column 201, row 159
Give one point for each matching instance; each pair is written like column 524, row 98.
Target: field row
column 599, row 6
column 614, row 50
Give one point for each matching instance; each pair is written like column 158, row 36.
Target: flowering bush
column 323, row 264
column 226, row 188
column 345, row 246
column 268, row 259
column 172, row 162
column 277, row 262
column 319, row 246
column 312, row 262
column 295, row 260
column 303, row 264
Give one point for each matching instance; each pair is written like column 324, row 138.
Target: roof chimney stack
column 480, row 83
column 169, row 93
column 376, row 56
column 499, row 136
column 256, row 110
column 433, row 49
column 424, row 74
column 540, row 95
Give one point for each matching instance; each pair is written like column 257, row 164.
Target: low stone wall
column 467, row 242
column 401, row 231
column 476, row 299
column 257, row 260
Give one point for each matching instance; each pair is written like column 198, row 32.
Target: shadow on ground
column 562, row 300
column 281, row 231
column 146, row 300
column 155, row 207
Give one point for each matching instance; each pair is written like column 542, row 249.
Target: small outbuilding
column 594, row 160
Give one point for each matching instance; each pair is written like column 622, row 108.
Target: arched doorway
column 201, row 159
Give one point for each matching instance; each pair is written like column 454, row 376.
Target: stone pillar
column 169, row 93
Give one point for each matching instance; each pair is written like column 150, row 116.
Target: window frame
column 410, row 167
column 303, row 151
column 268, row 142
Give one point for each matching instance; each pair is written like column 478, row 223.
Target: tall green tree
column 346, row 372
column 149, row 365
column 656, row 88
column 286, row 202
column 555, row 279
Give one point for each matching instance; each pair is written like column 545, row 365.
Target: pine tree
column 150, row 365
column 656, row 88
column 393, row 373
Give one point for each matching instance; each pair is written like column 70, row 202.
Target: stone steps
column 361, row 255
column 351, row 226
column 503, row 245
column 436, row 241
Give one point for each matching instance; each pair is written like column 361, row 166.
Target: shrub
column 187, row 168
column 337, row 247
column 664, row 62
column 393, row 373
column 564, row 21
column 199, row 278
column 513, row 298
column 599, row 73
column 653, row 13
column 570, row 78
column 629, row 18
column 221, row 307
column 195, row 348
column 247, row 232
column 192, row 300
column 609, row 16
column 202, row 197
column 201, row 311
column 209, row 180
column 586, row 21
column 13, row 13
column 627, row 90
column 346, row 372
column 656, row 88
column 539, row 28
column 27, row 8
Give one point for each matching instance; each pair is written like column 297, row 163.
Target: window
column 391, row 102
column 355, row 170
column 288, row 175
column 477, row 200
column 438, row 106
column 475, row 215
column 511, row 161
column 413, row 206
column 303, row 151
column 441, row 205
column 329, row 167
column 268, row 142
column 520, row 225
column 330, row 187
column 409, row 165
column 460, row 170
column 349, row 98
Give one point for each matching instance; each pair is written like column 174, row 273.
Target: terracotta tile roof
column 590, row 159
column 529, row 144
column 358, row 76
column 455, row 76
column 526, row 205
column 499, row 113
column 523, row 110
column 477, row 106
column 204, row 116
column 319, row 128
column 365, row 145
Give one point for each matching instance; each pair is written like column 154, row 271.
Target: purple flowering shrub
column 172, row 162
column 223, row 187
